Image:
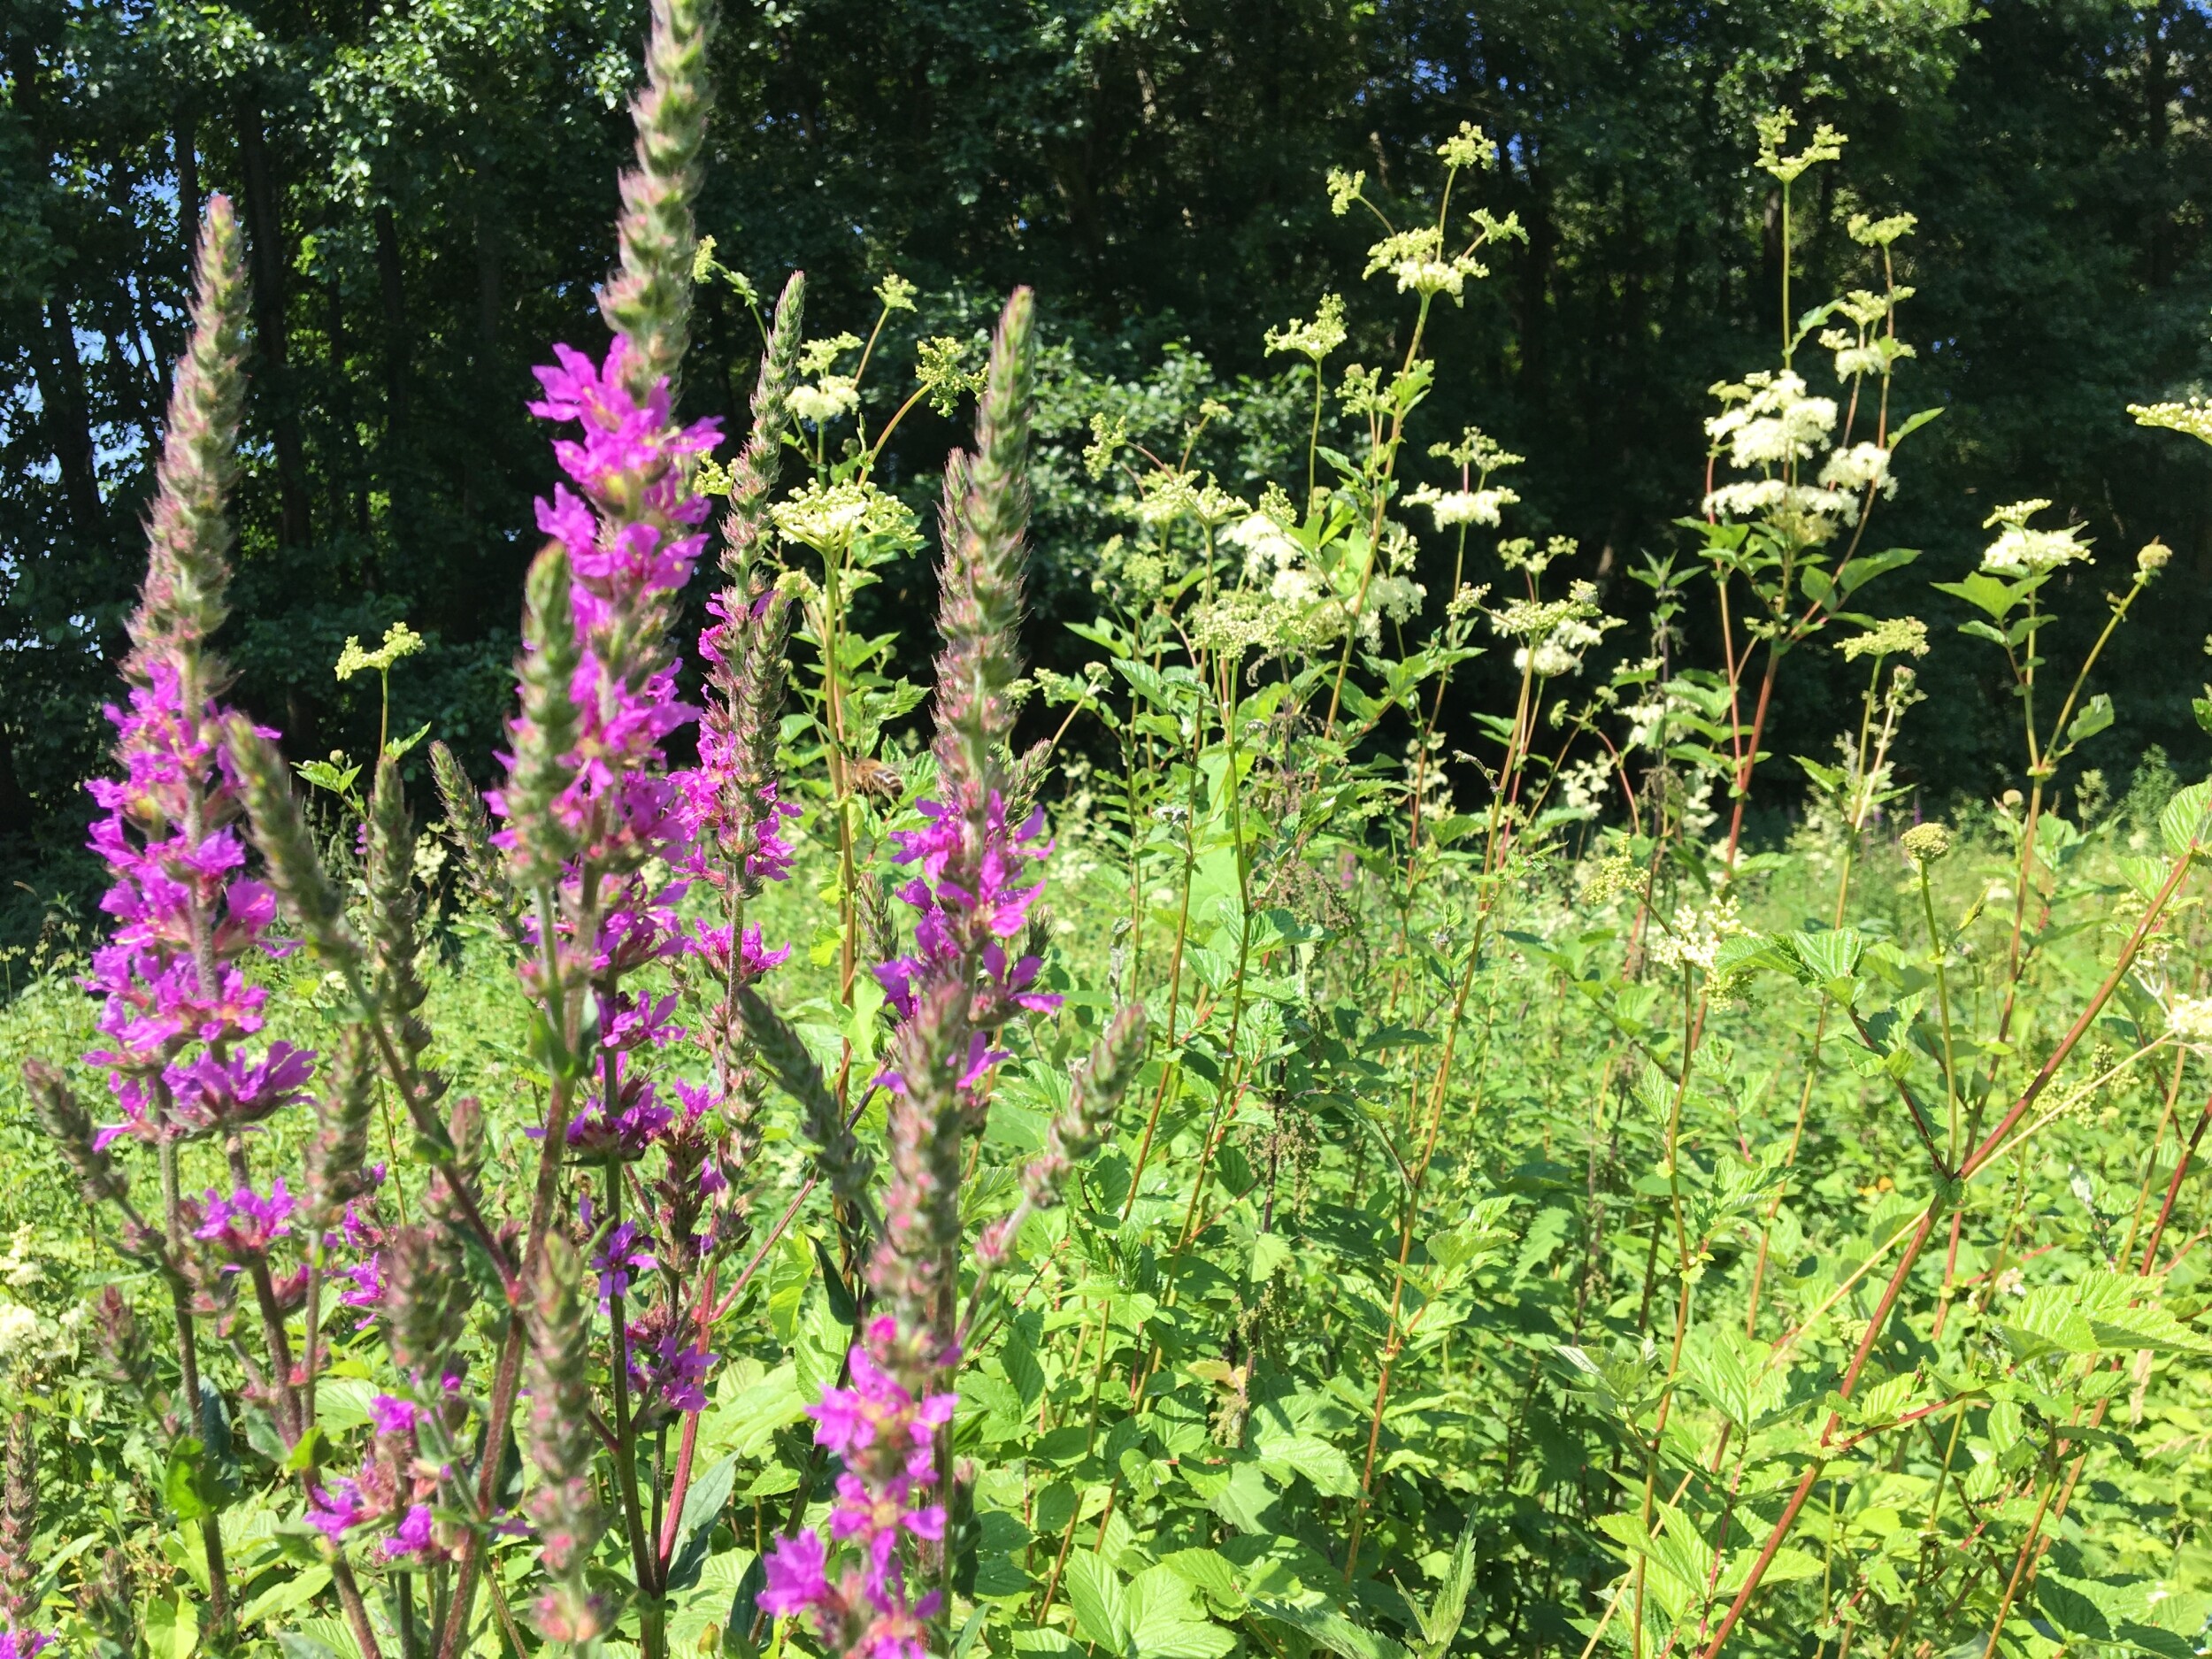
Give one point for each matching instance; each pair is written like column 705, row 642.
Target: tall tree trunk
column 486, row 233
column 351, row 491
column 264, row 227
column 61, row 391
column 185, row 143
column 19, row 815
column 391, row 281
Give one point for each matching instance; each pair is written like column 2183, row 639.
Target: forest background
column 426, row 187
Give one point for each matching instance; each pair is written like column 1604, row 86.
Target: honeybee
column 874, row 777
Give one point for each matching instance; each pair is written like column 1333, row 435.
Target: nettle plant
column 1335, row 1220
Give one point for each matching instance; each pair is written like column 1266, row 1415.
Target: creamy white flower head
column 1417, row 260
column 1264, row 544
column 1391, row 597
column 1853, row 360
column 18, row 1331
column 825, row 517
column 1454, row 508
column 1774, row 498
column 2020, row 551
column 1860, row 467
column 1698, row 932
column 1560, row 651
column 819, row 356
column 2190, row 1019
column 2193, row 418
column 1894, row 636
column 825, row 399
column 1210, row 505
column 1163, row 496
column 1770, row 420
column 1316, row 339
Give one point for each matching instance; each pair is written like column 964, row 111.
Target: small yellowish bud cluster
column 1925, row 843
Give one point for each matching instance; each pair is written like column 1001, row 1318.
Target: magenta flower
column 887, row 1440
column 411, row 1536
column 208, row 1093
column 23, row 1644
column 175, row 893
column 615, row 1257
column 334, row 1509
column 392, row 1416
column 663, row 1364
column 797, row 1574
column 958, row 921
column 243, row 1226
column 641, row 1022
column 624, row 1134
column 366, row 1279
column 710, row 946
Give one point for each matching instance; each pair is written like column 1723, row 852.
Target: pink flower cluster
column 243, row 1226
column 971, row 901
column 170, row 975
column 887, row 1440
column 393, row 1484
column 631, row 538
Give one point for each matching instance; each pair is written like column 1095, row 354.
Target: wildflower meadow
column 843, row 1139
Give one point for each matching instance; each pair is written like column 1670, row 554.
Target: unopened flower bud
column 1925, row 843
column 279, row 829
column 65, row 1120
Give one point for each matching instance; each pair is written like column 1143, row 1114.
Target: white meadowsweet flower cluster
column 1777, row 498
column 1455, row 507
column 827, row 395
column 2189, row 1019
column 1769, row 420
column 1556, row 633
column 1392, row 598
column 1316, row 339
column 827, row 517
column 1893, row 636
column 1416, row 259
column 2021, row 549
column 1856, row 467
column 820, row 402
column 1697, row 933
column 1267, row 546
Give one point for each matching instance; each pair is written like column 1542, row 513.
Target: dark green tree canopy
column 426, row 188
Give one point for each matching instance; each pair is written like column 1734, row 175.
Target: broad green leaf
column 290, row 1594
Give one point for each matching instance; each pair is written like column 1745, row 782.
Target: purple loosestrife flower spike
column 565, row 1502
column 734, row 793
column 1077, row 1132
column 427, row 1296
column 18, row 1525
column 185, row 914
column 393, row 912
column 539, row 838
column 69, row 1126
column 846, row 1168
column 885, row 1429
column 109, row 1601
column 648, row 299
column 914, row 1268
column 980, row 605
column 280, row 831
column 335, row 1157
column 470, row 829
column 187, row 569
